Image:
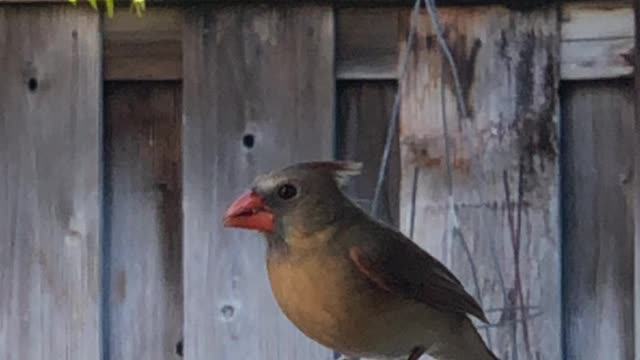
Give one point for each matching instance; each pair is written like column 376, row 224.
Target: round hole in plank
column 32, row 84
column 180, row 348
column 227, row 312
column 248, row 140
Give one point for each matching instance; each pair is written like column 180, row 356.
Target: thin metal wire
column 393, row 124
column 463, row 113
column 432, row 9
column 455, row 228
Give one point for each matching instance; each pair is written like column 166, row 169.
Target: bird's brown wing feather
column 400, row 266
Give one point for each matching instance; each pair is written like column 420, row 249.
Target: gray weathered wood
column 505, row 167
column 364, row 111
column 636, row 184
column 597, row 40
column 50, row 183
column 367, row 43
column 512, row 3
column 258, row 94
column 144, row 227
column 598, row 220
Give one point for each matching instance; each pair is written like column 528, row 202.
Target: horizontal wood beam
column 147, row 48
column 367, row 3
column 597, row 41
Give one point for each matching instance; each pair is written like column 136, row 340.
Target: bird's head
column 303, row 197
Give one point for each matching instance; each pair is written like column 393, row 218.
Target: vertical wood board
column 144, row 219
column 505, row 167
column 364, row 112
column 598, row 220
column 258, row 95
column 636, row 183
column 50, row 184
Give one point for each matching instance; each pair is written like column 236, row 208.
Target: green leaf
column 110, row 7
column 139, row 6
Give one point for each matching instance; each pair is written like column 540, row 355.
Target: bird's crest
column 341, row 171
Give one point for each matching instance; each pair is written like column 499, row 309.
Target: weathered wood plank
column 364, row 110
column 598, row 220
column 597, row 40
column 147, row 48
column 367, row 43
column 636, row 184
column 258, row 94
column 510, row 3
column 50, row 184
column 144, row 211
column 505, row 167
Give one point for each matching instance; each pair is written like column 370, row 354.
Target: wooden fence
column 122, row 140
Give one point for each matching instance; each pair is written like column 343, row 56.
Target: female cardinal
column 349, row 282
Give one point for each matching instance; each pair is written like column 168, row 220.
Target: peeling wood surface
column 258, row 94
column 147, row 48
column 50, row 155
column 505, row 169
column 597, row 40
column 143, row 125
column 364, row 110
column 598, row 219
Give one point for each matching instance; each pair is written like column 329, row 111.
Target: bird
column 348, row 281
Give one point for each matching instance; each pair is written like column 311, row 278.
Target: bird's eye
column 287, row 191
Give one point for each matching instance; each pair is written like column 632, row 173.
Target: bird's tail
column 466, row 343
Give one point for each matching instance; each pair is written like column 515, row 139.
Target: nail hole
column 32, row 84
column 179, row 348
column 227, row 311
column 248, row 141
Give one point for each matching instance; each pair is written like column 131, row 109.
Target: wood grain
column 597, row 40
column 146, row 48
column 364, row 112
column 144, row 219
column 50, row 117
column 258, row 94
column 504, row 167
column 367, row 43
column 511, row 3
column 636, row 183
column 598, row 219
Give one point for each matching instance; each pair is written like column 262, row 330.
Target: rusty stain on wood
column 505, row 158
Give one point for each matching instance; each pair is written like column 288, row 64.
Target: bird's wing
column 400, row 266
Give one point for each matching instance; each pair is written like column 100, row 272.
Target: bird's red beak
column 249, row 212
